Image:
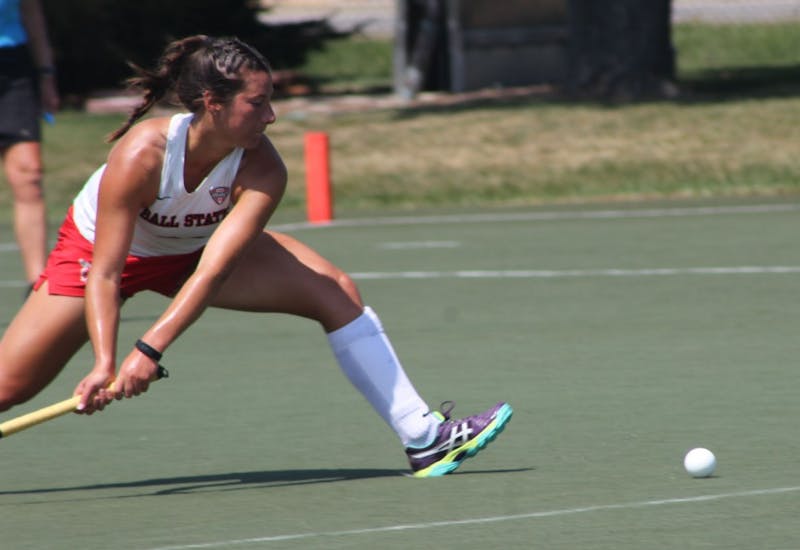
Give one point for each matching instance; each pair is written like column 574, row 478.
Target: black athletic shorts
column 19, row 97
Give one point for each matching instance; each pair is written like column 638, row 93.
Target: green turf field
column 621, row 335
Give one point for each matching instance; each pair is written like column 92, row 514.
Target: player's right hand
column 94, row 391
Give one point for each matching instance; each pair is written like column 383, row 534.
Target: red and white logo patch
column 219, row 194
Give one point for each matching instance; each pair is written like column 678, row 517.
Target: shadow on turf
column 241, row 480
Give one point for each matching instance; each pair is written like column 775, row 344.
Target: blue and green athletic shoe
column 457, row 440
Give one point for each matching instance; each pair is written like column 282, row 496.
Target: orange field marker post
column 319, row 196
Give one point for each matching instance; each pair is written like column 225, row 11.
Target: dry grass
column 539, row 152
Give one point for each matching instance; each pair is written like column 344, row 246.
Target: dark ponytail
column 189, row 67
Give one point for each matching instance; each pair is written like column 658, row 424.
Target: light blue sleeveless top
column 12, row 33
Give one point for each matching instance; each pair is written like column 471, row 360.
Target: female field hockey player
column 180, row 208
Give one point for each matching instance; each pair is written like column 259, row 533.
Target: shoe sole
column 454, row 458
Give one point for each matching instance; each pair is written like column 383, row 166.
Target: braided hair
column 188, row 67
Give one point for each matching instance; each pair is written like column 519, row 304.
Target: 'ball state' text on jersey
column 189, row 220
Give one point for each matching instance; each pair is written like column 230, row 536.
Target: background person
column 27, row 92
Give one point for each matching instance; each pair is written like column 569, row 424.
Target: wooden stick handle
column 52, row 411
column 37, row 417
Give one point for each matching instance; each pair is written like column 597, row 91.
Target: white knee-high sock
column 368, row 360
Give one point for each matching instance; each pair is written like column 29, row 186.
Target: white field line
column 547, row 216
column 540, row 216
column 548, row 274
column 419, row 245
column 490, row 519
column 575, row 273
column 529, row 216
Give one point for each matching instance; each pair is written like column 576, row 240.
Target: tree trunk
column 621, row 49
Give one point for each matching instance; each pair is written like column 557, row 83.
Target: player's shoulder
column 263, row 159
column 145, row 143
column 149, row 132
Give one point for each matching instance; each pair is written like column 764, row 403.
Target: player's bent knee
column 339, row 302
column 348, row 285
column 12, row 395
column 7, row 401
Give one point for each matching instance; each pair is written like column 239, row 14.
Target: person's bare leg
column 23, row 169
column 36, row 346
column 281, row 274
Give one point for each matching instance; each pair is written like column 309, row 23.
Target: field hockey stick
column 52, row 411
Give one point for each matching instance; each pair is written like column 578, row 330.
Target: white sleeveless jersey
column 178, row 222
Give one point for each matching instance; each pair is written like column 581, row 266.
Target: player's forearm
column 102, row 319
column 36, row 28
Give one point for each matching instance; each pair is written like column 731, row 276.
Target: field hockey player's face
column 250, row 111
